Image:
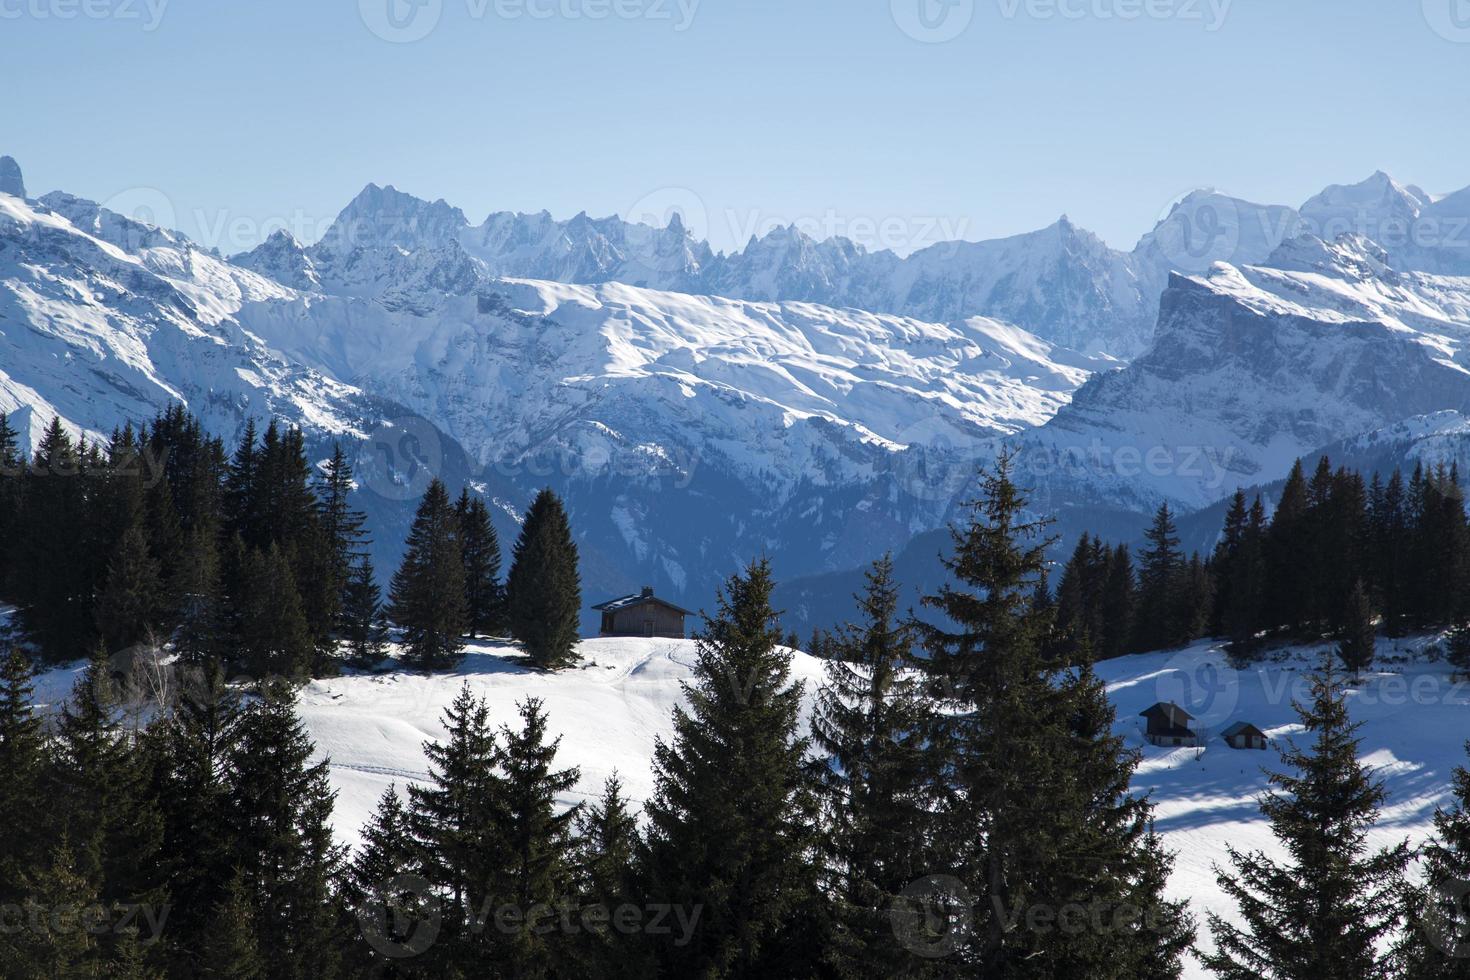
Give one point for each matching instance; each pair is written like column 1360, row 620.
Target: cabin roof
column 1242, row 728
column 1166, row 709
column 638, row 599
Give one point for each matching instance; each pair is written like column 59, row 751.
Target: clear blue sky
column 238, row 116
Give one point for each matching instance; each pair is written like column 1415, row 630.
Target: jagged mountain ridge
column 1061, row 283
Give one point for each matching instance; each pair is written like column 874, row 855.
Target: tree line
column 960, row 806
column 1336, row 555
column 258, row 559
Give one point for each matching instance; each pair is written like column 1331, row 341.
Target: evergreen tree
column 131, row 602
column 192, row 785
column 230, row 949
column 386, row 912
column 454, row 819
column 55, row 590
column 606, row 843
column 279, row 813
column 728, row 822
column 1160, row 591
column 869, row 723
column 537, row 877
column 543, row 589
column 61, row 950
column 363, row 624
column 1436, row 943
column 1324, row 911
column 1243, row 581
column 102, row 794
column 274, row 637
column 196, row 582
column 342, row 526
column 23, row 771
column 1288, row 547
column 1026, row 756
column 428, row 592
column 1119, row 600
column 1357, row 639
column 484, row 598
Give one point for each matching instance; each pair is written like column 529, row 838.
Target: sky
column 894, row 122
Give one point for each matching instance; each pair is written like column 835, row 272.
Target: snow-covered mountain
column 689, row 431
column 105, row 320
column 812, row 400
column 1253, row 366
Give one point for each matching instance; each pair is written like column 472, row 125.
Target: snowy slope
column 609, row 711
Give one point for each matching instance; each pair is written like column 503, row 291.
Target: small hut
column 642, row 614
column 1244, row 735
column 1168, row 724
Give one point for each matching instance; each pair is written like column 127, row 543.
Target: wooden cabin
column 1244, row 735
column 1167, row 724
column 642, row 614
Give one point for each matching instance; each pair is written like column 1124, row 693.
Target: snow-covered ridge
column 104, row 321
column 1254, row 366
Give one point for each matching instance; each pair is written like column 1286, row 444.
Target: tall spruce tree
column 131, row 603
column 869, row 725
column 484, row 596
column 1325, row 910
column 1357, row 639
column 543, row 589
column 1034, row 810
column 192, row 786
column 537, row 878
column 102, row 793
column 23, row 773
column 606, row 845
column 455, row 817
column 1161, row 586
column 364, row 626
column 427, row 598
column 1436, row 943
column 728, row 833
column 389, row 913
column 279, row 818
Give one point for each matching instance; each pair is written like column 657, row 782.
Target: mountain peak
column 10, row 178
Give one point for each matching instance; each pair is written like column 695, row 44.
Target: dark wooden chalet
column 1168, row 724
column 642, row 614
column 1244, row 735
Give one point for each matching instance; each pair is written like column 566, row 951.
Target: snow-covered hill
column 610, row 710
column 1415, row 722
